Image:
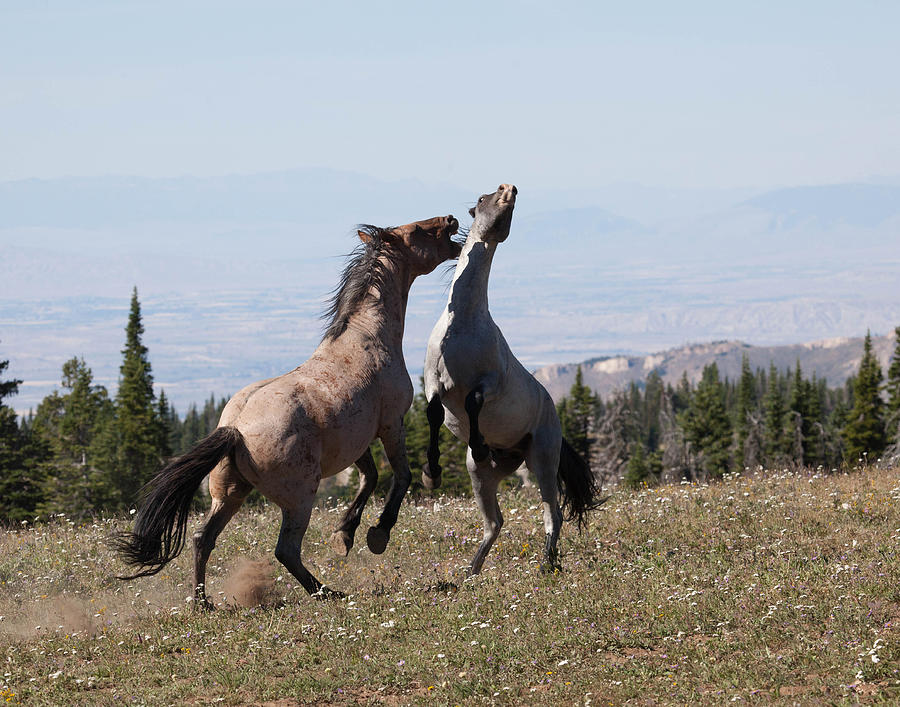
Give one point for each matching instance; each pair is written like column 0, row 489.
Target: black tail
column 161, row 523
column 577, row 487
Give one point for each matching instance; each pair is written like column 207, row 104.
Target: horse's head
column 422, row 244
column 493, row 214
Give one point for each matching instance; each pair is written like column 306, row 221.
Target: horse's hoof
column 551, row 568
column 377, row 539
column 341, row 541
column 204, row 605
column 326, row 594
column 431, row 480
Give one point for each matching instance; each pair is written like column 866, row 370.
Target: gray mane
column 363, row 271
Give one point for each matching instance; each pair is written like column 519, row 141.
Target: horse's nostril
column 514, row 190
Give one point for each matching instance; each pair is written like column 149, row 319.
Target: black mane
column 362, row 272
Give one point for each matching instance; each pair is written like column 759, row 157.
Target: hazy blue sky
column 553, row 94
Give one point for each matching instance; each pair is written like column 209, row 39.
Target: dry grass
column 776, row 588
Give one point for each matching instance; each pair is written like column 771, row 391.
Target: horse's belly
column 502, row 426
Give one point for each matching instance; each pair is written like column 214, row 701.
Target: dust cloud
column 251, row 583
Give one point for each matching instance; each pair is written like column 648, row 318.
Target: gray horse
column 477, row 387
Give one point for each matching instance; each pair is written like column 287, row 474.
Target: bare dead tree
column 610, row 450
column 753, row 444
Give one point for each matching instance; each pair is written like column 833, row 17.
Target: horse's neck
column 383, row 313
column 468, row 294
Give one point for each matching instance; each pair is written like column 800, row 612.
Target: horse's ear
column 472, row 212
column 368, row 237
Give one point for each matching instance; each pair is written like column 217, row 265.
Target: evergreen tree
column 637, row 471
column 893, row 393
column 164, row 424
column 576, row 416
column 799, row 423
column 707, row 426
column 864, row 433
column 20, row 473
column 774, row 419
column 132, row 442
column 654, row 391
column 746, row 406
column 192, row 429
column 68, row 424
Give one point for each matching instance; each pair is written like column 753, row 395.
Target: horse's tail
column 161, row 523
column 577, row 486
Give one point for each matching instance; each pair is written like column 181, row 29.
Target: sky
column 555, row 95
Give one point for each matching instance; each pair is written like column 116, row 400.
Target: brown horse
column 283, row 435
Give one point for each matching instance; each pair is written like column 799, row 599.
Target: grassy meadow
column 780, row 587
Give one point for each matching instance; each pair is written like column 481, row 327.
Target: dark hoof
column 550, row 568
column 204, row 605
column 431, row 480
column 377, row 539
column 341, row 541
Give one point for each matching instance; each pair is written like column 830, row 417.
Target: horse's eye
column 480, row 199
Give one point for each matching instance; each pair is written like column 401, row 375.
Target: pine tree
column 893, row 393
column 637, row 471
column 135, row 428
column 20, row 472
column 775, row 418
column 164, row 424
column 654, row 391
column 798, row 423
column 68, row 425
column 707, row 426
column 192, row 429
column 576, row 413
column 746, row 406
column 864, row 433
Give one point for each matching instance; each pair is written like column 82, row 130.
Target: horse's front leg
column 394, row 441
column 342, row 539
column 431, row 473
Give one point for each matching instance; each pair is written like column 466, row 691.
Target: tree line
column 655, row 432
column 83, row 452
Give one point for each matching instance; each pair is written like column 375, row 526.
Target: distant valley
column 233, row 271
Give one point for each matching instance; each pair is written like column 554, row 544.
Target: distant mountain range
column 834, row 360
column 238, row 266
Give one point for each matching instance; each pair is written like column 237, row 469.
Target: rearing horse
column 491, row 401
column 283, row 435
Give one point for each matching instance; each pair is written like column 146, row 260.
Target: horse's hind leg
column 431, row 474
column 229, row 491
column 342, row 538
column 294, row 522
column 486, row 476
column 542, row 459
column 394, row 441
